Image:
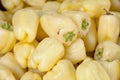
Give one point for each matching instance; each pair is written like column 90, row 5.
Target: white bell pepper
column 91, row 70
column 25, row 23
column 59, row 26
column 81, row 19
column 64, row 70
column 76, row 52
column 6, row 74
column 112, row 68
column 22, row 52
column 7, row 37
column 9, row 61
column 107, row 29
column 95, row 8
column 12, row 5
column 90, row 39
column 107, row 50
column 48, row 52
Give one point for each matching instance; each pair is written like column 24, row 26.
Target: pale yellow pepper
column 25, row 23
column 90, row 40
column 112, row 68
column 12, row 5
column 7, row 37
column 9, row 61
column 22, row 52
column 108, row 27
column 59, row 26
column 64, row 70
column 6, row 74
column 107, row 50
column 95, row 8
column 48, row 52
column 76, row 52
column 91, row 70
column 82, row 21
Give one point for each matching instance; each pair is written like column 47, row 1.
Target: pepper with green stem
column 6, row 26
column 84, row 24
column 100, row 53
column 68, row 36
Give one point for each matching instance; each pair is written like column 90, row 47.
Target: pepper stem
column 84, row 24
column 68, row 36
column 6, row 26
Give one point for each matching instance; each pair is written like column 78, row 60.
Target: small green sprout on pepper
column 84, row 24
column 7, row 26
column 68, row 36
column 100, row 53
column 108, row 60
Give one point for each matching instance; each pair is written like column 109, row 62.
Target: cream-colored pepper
column 91, row 70
column 107, row 29
column 90, row 39
column 12, row 5
column 30, row 76
column 112, row 68
column 76, row 52
column 64, row 70
column 25, row 23
column 46, row 54
column 107, row 50
column 95, row 8
column 7, row 37
column 9, row 61
column 81, row 19
column 59, row 26
column 6, row 74
column 22, row 52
